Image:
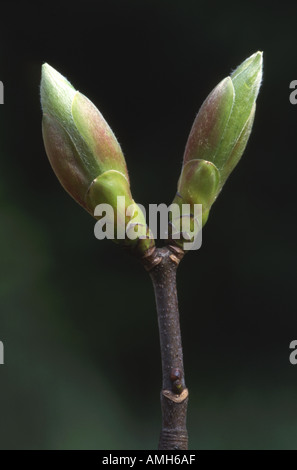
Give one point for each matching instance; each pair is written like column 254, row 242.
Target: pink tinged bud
column 220, row 127
column 87, row 158
column 210, row 123
column 99, row 138
column 220, row 133
column 78, row 141
column 65, row 160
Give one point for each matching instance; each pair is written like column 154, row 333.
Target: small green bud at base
column 127, row 219
column 106, row 188
column 198, row 183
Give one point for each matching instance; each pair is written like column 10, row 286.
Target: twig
column 162, row 265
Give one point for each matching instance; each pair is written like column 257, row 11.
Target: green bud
column 226, row 114
column 246, row 80
column 199, row 181
column 219, row 135
column 106, row 189
column 83, row 151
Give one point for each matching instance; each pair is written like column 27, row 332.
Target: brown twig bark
column 161, row 263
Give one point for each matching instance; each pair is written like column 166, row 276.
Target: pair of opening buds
column 90, row 165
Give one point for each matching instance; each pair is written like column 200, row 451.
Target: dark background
column 77, row 316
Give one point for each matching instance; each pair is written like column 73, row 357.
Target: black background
column 77, row 316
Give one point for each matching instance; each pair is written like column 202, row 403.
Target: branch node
column 174, row 397
column 174, row 259
column 150, row 259
column 177, row 254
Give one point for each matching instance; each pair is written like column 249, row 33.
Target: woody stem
column 162, row 265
